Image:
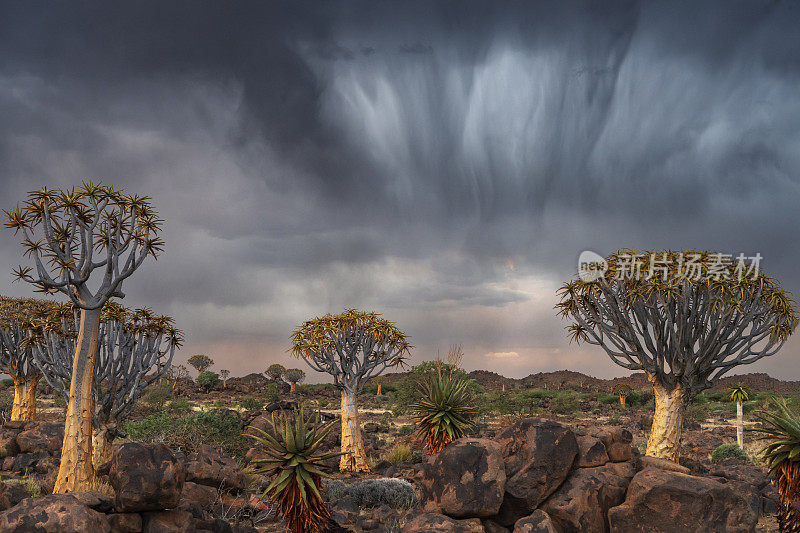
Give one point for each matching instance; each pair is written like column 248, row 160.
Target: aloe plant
column 444, row 410
column 781, row 429
column 293, row 461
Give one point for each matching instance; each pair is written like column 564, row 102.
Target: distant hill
column 569, row 379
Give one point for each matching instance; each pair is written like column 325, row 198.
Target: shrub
column 696, row 413
column 396, row 493
column 208, row 380
column 717, row 396
column 250, row 403
column 152, row 428
column 271, row 393
column 405, row 430
column 180, row 405
column 607, row 399
column 400, row 453
column 59, row 401
column 7, row 382
column 728, row 451
column 155, row 397
column 700, row 399
column 641, row 398
column 564, row 403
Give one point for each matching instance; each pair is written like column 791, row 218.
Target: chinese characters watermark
column 663, row 265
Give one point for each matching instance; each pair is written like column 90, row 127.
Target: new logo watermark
column 676, row 265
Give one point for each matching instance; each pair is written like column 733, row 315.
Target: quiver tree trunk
column 101, row 444
column 75, row 472
column 665, row 435
column 379, row 389
column 739, row 425
column 354, row 456
column 622, row 400
column 293, row 387
column 30, row 393
column 19, row 409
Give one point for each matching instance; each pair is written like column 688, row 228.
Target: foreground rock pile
column 155, row 491
column 541, row 476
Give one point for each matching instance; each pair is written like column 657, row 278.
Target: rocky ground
column 579, row 471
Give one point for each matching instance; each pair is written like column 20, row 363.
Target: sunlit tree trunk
column 101, row 444
column 379, row 389
column 354, row 456
column 739, row 425
column 19, row 407
column 30, row 394
column 293, row 387
column 622, row 400
column 75, row 472
column 665, row 435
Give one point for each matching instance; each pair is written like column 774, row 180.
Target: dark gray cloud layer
column 442, row 162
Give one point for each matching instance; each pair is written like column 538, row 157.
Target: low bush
column 208, row 379
column 642, row 398
column 717, row 396
column 154, row 398
column 417, row 457
column 405, row 430
column 369, row 493
column 180, row 405
column 251, row 403
column 607, row 399
column 696, row 413
column 400, row 453
column 565, row 403
column 728, row 451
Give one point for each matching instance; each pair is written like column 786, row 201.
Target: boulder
column 145, row 477
column 539, row 454
column 41, row 437
column 201, row 494
column 172, row 521
column 29, row 461
column 582, row 502
column 742, row 472
column 54, row 513
column 8, row 442
column 95, row 500
column 208, row 467
column 591, row 452
column 538, row 522
column 662, row 464
column 466, row 479
column 125, row 522
column 435, row 523
column 662, row 500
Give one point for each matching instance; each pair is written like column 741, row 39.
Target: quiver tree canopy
column 352, row 347
column 135, row 349
column 21, row 320
column 685, row 318
column 200, row 362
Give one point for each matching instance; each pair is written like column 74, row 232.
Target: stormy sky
column 442, row 163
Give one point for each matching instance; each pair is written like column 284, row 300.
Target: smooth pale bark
column 665, row 435
column 30, row 394
column 354, row 456
column 75, row 472
column 19, row 407
column 739, row 425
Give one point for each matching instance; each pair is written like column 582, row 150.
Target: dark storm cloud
column 444, row 162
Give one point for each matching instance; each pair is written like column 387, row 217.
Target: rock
column 662, row 500
column 769, row 500
column 5, row 502
column 434, row 523
column 582, row 502
column 473, row 525
column 662, row 464
column 28, row 461
column 201, row 494
column 95, row 500
column 490, row 526
column 54, row 513
column 126, row 522
column 742, row 472
column 15, row 491
column 539, row 454
column 8, row 442
column 370, row 427
column 591, row 452
column 41, row 437
column 145, row 477
column 466, row 479
column 620, row 451
column 538, row 522
column 208, row 467
column 172, row 521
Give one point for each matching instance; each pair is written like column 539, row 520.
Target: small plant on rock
column 444, row 409
column 782, row 454
column 293, row 462
column 728, row 451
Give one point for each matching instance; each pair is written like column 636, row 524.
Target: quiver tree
column 275, row 372
column 622, row 390
column 294, row 376
column 739, row 394
column 224, row 375
column 135, row 349
column 68, row 235
column 20, row 328
column 352, row 347
column 176, row 374
column 200, row 362
column 684, row 318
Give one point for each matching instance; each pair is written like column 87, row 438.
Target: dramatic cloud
column 502, row 355
column 443, row 163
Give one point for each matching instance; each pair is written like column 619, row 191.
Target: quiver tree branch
column 685, row 329
column 68, row 235
column 352, row 347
